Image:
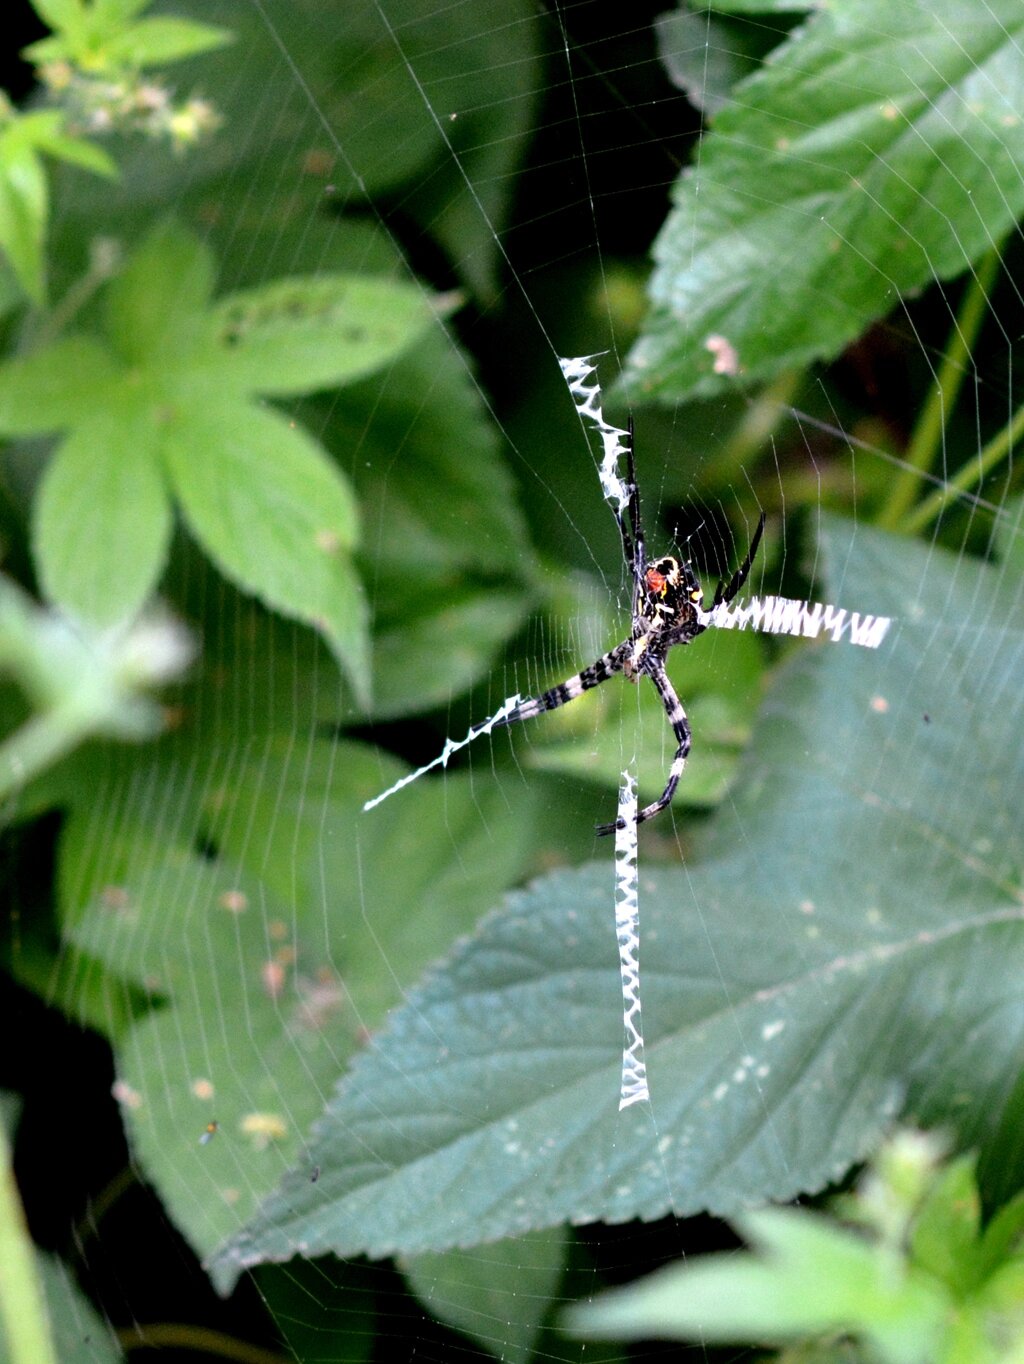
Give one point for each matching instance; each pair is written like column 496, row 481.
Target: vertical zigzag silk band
column 633, row 1085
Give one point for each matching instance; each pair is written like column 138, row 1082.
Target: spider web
column 375, row 1057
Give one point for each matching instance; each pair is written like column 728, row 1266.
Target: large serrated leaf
column 850, row 938
column 828, row 186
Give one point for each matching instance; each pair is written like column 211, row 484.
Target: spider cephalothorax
column 667, row 610
column 670, row 593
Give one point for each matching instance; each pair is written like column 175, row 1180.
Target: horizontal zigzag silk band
column 806, row 620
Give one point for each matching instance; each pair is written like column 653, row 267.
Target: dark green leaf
column 476, row 62
column 805, row 218
column 79, row 1332
column 412, row 674
column 102, row 519
column 250, row 930
column 343, row 1324
column 845, row 939
column 704, row 57
column 472, row 1290
column 484, row 137
column 431, row 476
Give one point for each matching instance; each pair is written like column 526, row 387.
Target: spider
column 667, row 609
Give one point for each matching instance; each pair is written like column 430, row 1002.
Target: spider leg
column 725, row 593
column 606, row 666
column 636, row 553
column 681, row 729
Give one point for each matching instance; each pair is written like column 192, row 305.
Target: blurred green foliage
column 279, row 397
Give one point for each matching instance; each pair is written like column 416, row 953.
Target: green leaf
column 844, row 939
column 154, row 306
column 55, row 387
column 23, row 208
column 450, row 475
column 60, row 14
column 465, row 201
column 245, row 927
column 345, row 1294
column 72, row 21
column 479, row 62
column 102, row 520
column 155, row 42
column 412, row 674
column 78, row 152
column 804, row 217
column 1009, row 534
column 275, row 516
column 472, row 1290
column 298, row 335
column 52, row 49
column 945, row 1234
column 115, row 12
column 811, row 1277
column 263, row 498
column 705, row 57
column 1002, row 1236
column 79, row 1331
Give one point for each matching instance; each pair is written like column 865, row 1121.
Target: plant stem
column 761, row 420
column 927, row 438
column 39, row 743
column 22, row 1305
column 973, row 472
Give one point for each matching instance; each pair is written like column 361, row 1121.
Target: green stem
column 38, row 744
column 22, row 1305
column 927, row 438
column 973, row 472
column 762, row 418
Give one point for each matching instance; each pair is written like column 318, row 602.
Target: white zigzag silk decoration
column 587, row 398
column 450, row 746
column 783, row 616
column 633, row 1086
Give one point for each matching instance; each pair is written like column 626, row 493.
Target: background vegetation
column 293, row 489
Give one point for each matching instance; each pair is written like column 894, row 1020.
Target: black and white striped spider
column 667, row 610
